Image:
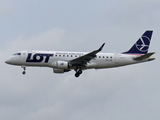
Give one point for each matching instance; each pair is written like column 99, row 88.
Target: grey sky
column 125, row 93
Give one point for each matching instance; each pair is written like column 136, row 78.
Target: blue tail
column 142, row 45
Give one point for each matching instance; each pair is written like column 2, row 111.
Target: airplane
column 62, row 61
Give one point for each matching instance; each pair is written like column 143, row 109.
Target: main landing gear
column 78, row 72
column 24, row 68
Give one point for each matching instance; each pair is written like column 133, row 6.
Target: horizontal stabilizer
column 144, row 56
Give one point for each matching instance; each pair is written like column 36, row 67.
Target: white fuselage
column 50, row 59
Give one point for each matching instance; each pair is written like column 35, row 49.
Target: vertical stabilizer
column 142, row 45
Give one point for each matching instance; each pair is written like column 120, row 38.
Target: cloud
column 53, row 39
column 5, row 8
column 135, row 13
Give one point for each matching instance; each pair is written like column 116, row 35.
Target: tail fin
column 142, row 45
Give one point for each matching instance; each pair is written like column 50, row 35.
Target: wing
column 83, row 60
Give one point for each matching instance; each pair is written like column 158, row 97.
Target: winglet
column 101, row 47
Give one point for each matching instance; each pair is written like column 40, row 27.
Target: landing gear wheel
column 78, row 73
column 24, row 68
column 24, row 72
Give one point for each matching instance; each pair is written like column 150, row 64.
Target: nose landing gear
column 24, row 72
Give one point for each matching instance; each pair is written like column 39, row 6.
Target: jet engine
column 62, row 64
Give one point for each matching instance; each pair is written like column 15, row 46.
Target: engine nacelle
column 62, row 64
column 55, row 70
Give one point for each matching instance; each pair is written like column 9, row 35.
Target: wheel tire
column 23, row 72
column 80, row 72
column 77, row 74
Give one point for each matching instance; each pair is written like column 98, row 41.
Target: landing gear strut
column 78, row 72
column 24, row 68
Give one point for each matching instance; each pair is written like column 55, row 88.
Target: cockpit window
column 17, row 54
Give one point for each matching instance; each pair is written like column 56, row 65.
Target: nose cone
column 8, row 61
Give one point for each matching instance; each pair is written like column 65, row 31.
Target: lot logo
column 143, row 44
column 38, row 57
